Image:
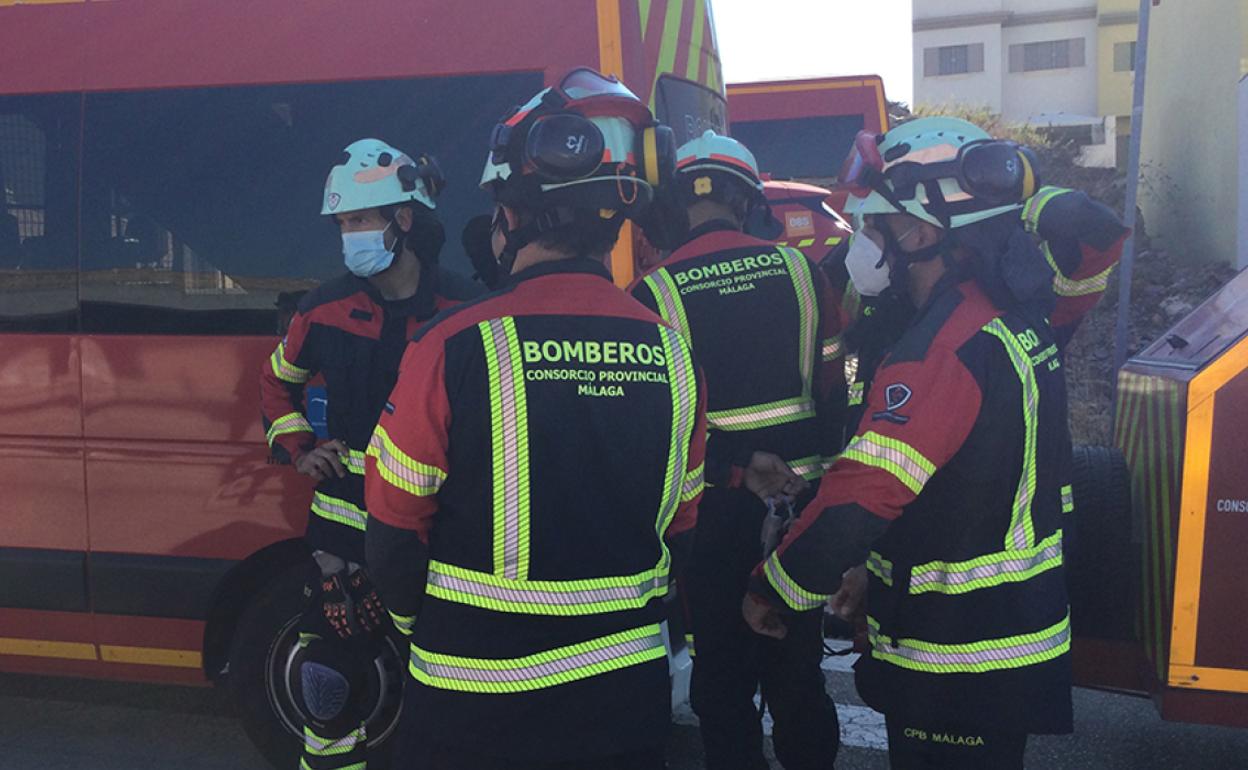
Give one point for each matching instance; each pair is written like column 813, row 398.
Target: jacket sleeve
column 405, row 466
column 1082, row 241
column 282, row 379
column 831, row 389
column 918, row 414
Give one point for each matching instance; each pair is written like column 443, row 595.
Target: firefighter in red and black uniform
column 538, row 463
column 761, row 321
column 1080, row 239
column 353, row 331
column 954, row 487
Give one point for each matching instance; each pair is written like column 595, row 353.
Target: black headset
column 993, row 171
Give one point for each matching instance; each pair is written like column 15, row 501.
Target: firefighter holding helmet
column 352, row 330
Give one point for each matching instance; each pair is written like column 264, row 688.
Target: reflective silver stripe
column 397, row 468
column 897, row 457
column 971, row 657
column 354, row 461
column 545, row 597
column 880, row 567
column 286, row 371
column 832, row 348
column 684, row 393
column 671, row 307
column 338, row 510
column 809, row 468
column 326, row 747
column 541, row 670
column 798, row 598
column 289, row 423
column 1022, row 533
column 1068, row 499
column 694, row 483
column 808, row 307
column 510, row 446
column 763, row 415
column 1012, row 566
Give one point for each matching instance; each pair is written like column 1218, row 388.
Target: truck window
column 800, row 148
column 689, row 108
column 38, row 212
column 200, row 206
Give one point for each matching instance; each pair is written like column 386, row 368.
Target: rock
column 1175, row 307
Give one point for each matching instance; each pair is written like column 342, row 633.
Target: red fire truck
column 161, row 166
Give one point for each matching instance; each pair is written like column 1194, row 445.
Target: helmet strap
column 542, row 222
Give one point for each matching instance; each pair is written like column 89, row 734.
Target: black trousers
column 732, row 663
column 446, row 758
column 916, row 745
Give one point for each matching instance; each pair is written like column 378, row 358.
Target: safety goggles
column 993, row 171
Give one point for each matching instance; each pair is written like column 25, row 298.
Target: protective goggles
column 996, row 172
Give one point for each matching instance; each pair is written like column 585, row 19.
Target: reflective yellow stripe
column 151, row 656
column 592, row 596
column 401, row 470
column 790, row 591
column 880, row 567
column 404, row 623
column 808, row 314
column 695, row 481
column 1021, row 534
column 667, row 296
column 509, row 442
column 856, row 391
column 895, row 456
column 805, row 243
column 287, row 423
column 994, row 569
column 971, row 657
column 1035, row 206
column 833, row 241
column 317, row 746
column 832, row 348
column 541, row 670
column 1068, row 499
column 286, row 371
column 44, row 648
column 762, row 415
column 339, row 511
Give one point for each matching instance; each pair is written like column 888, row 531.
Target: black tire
column 1101, row 559
column 259, row 656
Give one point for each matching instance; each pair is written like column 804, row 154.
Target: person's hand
column 325, row 461
column 762, row 617
column 769, row 476
column 847, row 602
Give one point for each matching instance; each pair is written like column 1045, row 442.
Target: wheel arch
column 230, row 598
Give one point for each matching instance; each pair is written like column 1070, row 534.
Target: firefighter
column 352, row 330
column 1080, row 239
column 955, row 483
column 760, row 319
column 538, row 462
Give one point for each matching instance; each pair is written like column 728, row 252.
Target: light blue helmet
column 372, row 174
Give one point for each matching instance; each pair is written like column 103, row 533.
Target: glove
column 370, row 613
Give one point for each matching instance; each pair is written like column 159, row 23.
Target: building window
column 1047, row 55
column 953, row 60
column 1124, row 57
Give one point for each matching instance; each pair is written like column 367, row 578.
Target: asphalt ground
column 65, row 724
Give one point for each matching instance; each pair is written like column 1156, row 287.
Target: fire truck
column 162, row 166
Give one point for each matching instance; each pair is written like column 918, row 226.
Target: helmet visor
column 584, row 83
column 862, row 166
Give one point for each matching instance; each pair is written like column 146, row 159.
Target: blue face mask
column 365, row 252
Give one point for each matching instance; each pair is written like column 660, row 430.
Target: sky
column 783, row 39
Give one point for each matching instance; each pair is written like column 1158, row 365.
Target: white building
column 1030, row 61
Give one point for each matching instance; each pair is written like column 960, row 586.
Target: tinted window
column 38, row 213
column 689, row 108
column 202, row 206
column 800, row 148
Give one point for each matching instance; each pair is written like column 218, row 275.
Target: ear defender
column 426, row 169
column 564, row 146
column 998, row 172
column 658, row 155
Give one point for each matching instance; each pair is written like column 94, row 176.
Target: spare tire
column 1101, row 559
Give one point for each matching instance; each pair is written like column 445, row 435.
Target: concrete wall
column 1113, row 88
column 1026, row 95
column 979, row 89
column 1191, row 155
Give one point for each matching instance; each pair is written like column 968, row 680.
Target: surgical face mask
column 365, row 252
column 866, row 265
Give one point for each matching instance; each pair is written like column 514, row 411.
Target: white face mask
column 365, row 252
column 866, row 265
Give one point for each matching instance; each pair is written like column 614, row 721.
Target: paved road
column 55, row 724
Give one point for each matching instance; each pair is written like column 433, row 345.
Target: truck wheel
column 262, row 656
column 1100, row 555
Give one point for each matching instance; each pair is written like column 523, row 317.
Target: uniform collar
column 571, row 266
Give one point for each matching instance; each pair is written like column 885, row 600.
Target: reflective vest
column 543, row 441
column 767, row 336
column 346, row 332
column 963, row 443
